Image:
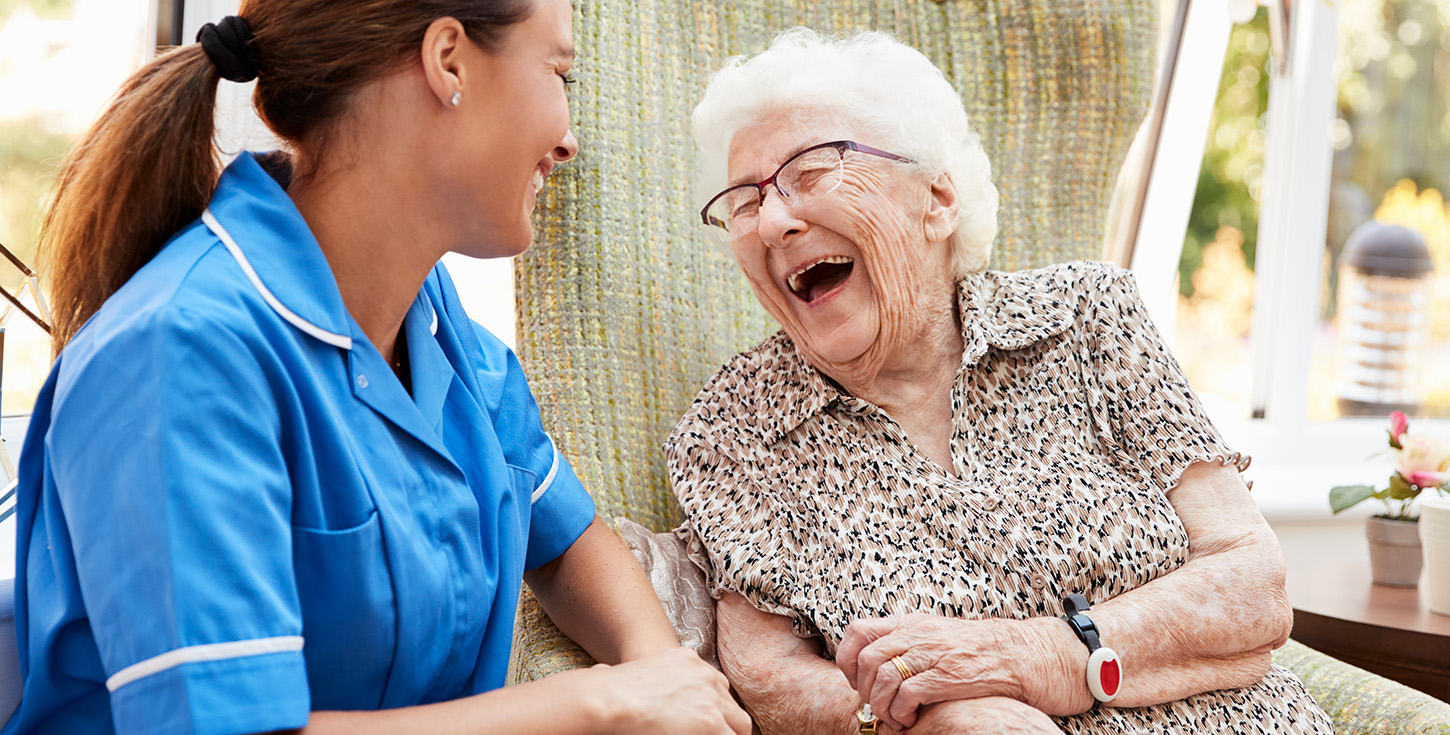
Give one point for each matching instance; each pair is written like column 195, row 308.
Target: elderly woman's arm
column 1208, row 625
column 790, row 690
column 781, row 679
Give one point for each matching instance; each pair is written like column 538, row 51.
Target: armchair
column 625, row 309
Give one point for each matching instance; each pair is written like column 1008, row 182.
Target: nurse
column 277, row 478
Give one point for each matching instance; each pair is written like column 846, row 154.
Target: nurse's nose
column 567, row 148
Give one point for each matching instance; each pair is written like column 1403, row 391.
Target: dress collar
column 765, row 393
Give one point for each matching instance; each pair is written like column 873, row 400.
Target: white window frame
column 1296, row 460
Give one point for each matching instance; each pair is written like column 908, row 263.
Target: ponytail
column 143, row 171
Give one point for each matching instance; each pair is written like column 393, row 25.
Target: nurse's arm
column 599, row 596
column 673, row 693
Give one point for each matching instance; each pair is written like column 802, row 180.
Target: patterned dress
column 1072, row 422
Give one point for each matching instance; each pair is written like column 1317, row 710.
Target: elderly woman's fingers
column 859, row 635
column 903, row 704
column 887, row 700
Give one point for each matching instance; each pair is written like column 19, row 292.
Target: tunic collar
column 261, row 227
column 767, row 392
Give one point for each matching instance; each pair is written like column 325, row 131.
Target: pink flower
column 1426, row 480
column 1399, row 424
column 1423, row 456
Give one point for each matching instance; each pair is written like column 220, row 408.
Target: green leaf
column 1402, row 490
column 1347, row 496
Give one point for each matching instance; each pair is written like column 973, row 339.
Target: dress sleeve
column 165, row 455
column 731, row 532
column 1153, row 421
column 561, row 509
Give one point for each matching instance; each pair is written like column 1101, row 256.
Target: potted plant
column 1422, row 463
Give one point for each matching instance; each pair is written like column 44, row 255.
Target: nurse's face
column 519, row 123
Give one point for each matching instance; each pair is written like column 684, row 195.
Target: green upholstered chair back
column 626, row 308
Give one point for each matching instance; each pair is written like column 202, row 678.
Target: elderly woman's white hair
column 896, row 94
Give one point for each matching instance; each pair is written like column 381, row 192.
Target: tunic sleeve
column 165, row 456
column 1152, row 420
column 732, row 531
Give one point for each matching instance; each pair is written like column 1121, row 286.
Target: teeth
column 794, row 279
column 538, row 181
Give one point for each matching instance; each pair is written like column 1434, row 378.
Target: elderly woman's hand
column 952, row 659
column 987, row 716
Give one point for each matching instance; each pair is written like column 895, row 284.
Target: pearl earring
column 455, row 98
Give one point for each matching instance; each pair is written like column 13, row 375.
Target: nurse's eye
column 568, row 80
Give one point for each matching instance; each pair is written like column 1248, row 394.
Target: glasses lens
column 734, row 206
column 813, row 172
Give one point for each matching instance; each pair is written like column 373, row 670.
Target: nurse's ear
column 940, row 219
column 444, row 49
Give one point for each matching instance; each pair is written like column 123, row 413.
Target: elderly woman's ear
column 941, row 212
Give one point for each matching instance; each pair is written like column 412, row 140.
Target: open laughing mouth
column 823, row 277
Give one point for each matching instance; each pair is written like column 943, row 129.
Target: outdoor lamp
column 1385, row 293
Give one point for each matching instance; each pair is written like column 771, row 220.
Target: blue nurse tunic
column 232, row 513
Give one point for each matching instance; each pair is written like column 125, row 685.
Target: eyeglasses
column 814, row 171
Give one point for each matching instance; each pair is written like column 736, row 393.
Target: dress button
column 989, row 503
column 362, row 381
column 1039, row 581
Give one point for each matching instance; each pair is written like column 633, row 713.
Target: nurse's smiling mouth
column 819, row 279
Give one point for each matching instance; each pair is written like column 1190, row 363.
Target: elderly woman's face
column 842, row 272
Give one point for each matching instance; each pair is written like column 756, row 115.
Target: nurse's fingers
column 736, row 718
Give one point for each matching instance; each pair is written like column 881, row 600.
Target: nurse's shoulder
column 191, row 297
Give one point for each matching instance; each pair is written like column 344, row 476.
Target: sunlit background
column 1391, row 143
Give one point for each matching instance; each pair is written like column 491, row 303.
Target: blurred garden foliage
column 1392, row 123
column 1391, row 161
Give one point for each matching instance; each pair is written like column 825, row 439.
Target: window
column 1338, row 118
column 60, row 60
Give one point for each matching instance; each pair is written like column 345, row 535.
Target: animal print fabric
column 1072, row 422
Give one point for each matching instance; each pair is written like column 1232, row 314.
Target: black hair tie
column 230, row 45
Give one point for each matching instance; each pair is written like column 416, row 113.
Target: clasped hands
column 970, row 669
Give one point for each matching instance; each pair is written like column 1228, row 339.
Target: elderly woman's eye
column 745, row 207
column 811, row 176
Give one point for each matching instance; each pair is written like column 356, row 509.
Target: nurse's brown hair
column 148, row 165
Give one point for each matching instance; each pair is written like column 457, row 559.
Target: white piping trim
column 204, row 652
column 336, row 340
column 548, row 479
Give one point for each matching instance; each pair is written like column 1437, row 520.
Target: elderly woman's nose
column 778, row 221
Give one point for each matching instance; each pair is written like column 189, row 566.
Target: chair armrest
column 1362, row 703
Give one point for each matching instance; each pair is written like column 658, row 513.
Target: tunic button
column 989, row 504
column 1039, row 581
column 362, row 381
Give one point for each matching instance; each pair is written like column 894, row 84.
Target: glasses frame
column 841, row 147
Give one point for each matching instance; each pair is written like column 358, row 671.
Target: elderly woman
column 991, row 498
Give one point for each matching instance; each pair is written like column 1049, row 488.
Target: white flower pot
column 1435, row 539
column 1394, row 551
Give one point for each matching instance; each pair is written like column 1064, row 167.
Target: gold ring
column 906, row 672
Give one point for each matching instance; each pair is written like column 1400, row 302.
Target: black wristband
column 1087, row 631
column 1104, row 670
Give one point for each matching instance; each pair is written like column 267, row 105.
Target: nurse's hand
column 672, row 693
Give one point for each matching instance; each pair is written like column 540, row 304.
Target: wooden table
column 1337, row 610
